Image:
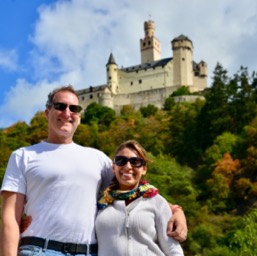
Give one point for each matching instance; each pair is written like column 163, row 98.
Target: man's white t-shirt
column 61, row 185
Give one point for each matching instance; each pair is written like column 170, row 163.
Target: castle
column 152, row 81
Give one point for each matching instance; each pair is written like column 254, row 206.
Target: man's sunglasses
column 134, row 161
column 62, row 106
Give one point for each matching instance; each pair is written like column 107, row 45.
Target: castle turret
column 202, row 66
column 182, row 48
column 150, row 46
column 106, row 98
column 112, row 74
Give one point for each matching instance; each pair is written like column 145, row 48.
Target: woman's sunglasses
column 62, row 106
column 134, row 161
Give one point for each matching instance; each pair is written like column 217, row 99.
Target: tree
column 102, row 115
column 242, row 100
column 214, row 118
column 219, row 186
column 183, row 90
column 38, row 128
column 85, row 136
column 149, row 110
column 244, row 240
column 169, row 103
column 184, row 136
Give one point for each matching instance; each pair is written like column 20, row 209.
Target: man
column 57, row 182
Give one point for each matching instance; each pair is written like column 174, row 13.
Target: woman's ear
column 144, row 170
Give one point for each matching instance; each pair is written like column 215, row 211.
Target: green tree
column 183, row 90
column 149, row 110
column 18, row 130
column 5, row 150
column 102, row 115
column 153, row 133
column 214, row 118
column 38, row 128
column 169, row 103
column 245, row 238
column 84, row 135
column 184, row 136
column 242, row 99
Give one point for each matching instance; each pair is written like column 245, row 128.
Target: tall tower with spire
column 112, row 74
column 150, row 46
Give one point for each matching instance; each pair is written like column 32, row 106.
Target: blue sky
column 45, row 44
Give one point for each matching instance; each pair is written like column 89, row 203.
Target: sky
column 45, row 44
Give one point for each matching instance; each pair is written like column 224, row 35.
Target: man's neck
column 59, row 140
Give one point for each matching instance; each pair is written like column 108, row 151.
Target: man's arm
column 12, row 209
column 177, row 226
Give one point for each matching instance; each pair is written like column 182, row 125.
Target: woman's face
column 128, row 175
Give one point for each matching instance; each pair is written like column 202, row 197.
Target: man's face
column 62, row 124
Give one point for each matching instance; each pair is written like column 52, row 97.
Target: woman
column 133, row 217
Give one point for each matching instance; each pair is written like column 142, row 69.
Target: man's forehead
column 65, row 94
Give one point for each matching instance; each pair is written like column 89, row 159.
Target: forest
column 204, row 156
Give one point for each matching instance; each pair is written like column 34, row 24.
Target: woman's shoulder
column 158, row 201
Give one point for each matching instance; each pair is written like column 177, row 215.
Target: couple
column 57, row 182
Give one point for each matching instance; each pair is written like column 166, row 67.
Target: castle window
column 140, row 81
column 90, row 88
column 183, row 59
column 91, row 96
column 110, row 78
column 115, row 69
column 144, row 44
column 131, row 83
column 82, row 98
column 107, row 69
column 149, row 42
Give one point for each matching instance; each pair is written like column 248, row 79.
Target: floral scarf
column 144, row 189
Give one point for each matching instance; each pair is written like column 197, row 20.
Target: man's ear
column 46, row 113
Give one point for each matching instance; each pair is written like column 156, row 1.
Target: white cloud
column 73, row 39
column 24, row 100
column 8, row 59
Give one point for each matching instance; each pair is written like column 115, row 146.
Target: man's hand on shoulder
column 177, row 226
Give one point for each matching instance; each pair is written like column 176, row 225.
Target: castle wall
column 145, row 79
column 154, row 97
column 199, row 84
column 90, row 95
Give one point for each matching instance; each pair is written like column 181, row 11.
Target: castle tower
column 149, row 46
column 112, row 75
column 202, row 69
column 182, row 48
column 106, row 98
